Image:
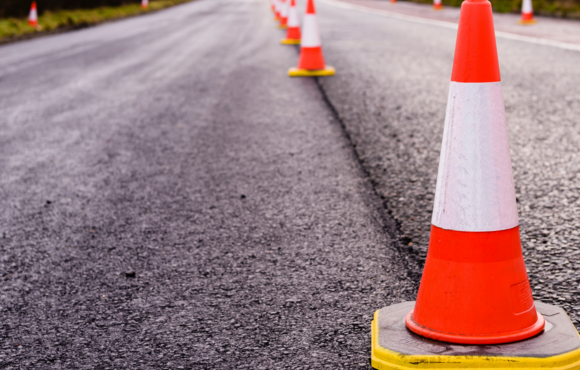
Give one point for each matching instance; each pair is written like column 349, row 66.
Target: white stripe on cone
column 293, row 20
column 475, row 186
column 284, row 10
column 527, row 7
column 144, row 3
column 33, row 16
column 437, row 2
column 310, row 33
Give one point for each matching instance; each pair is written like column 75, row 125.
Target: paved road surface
column 174, row 145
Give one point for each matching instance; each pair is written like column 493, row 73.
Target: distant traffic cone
column 527, row 13
column 283, row 14
column 293, row 30
column 311, row 61
column 144, row 4
column 277, row 10
column 33, row 15
column 475, row 287
column 392, row 1
column 272, row 6
column 437, row 5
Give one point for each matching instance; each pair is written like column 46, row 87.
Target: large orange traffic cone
column 311, row 62
column 475, row 288
column 527, row 13
column 144, row 4
column 293, row 30
column 283, row 14
column 437, row 5
column 33, row 15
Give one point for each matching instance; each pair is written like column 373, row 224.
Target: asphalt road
column 265, row 218
column 173, row 146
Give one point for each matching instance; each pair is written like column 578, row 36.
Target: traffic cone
column 277, row 10
column 475, row 287
column 144, row 4
column 527, row 13
column 293, row 30
column 311, row 61
column 33, row 15
column 272, row 6
column 393, row 1
column 283, row 14
column 437, row 5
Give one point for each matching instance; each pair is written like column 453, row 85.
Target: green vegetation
column 553, row 8
column 12, row 28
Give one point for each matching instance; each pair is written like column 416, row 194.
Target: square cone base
column 531, row 21
column 396, row 347
column 295, row 72
column 290, row 41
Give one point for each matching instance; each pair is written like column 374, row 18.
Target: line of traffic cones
column 311, row 60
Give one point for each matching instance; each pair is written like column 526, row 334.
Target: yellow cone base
column 396, row 347
column 531, row 21
column 327, row 71
column 282, row 27
column 290, row 41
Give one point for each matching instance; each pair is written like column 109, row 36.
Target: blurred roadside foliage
column 552, row 8
column 68, row 19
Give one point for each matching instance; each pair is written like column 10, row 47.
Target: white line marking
column 450, row 25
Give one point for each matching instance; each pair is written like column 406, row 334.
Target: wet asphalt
column 170, row 199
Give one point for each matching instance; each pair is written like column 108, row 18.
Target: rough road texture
column 391, row 93
column 173, row 146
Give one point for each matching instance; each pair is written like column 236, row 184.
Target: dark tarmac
column 170, row 199
column 173, row 146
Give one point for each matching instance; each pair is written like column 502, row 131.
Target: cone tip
column 310, row 7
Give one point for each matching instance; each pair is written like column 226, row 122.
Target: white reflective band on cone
column 33, row 16
column 437, row 2
column 310, row 34
column 293, row 17
column 527, row 7
column 284, row 11
column 475, row 186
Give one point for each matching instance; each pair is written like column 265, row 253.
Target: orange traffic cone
column 283, row 14
column 311, row 61
column 475, row 287
column 437, row 5
column 33, row 15
column 272, row 6
column 144, row 4
column 393, row 1
column 527, row 13
column 277, row 10
column 293, row 30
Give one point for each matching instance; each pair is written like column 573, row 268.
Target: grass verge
column 550, row 8
column 16, row 28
